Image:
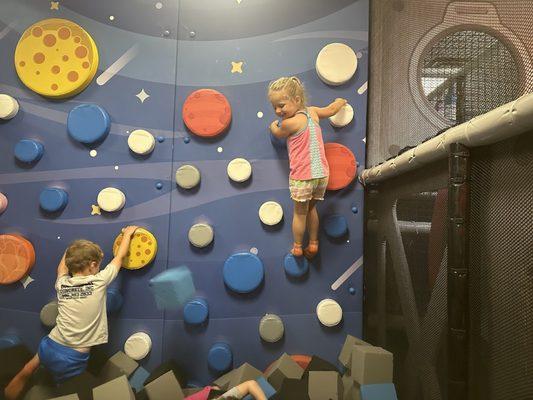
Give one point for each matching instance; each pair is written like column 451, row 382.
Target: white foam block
column 343, row 117
column 336, row 63
column 141, row 142
column 9, row 107
column 239, row 170
column 138, row 345
column 111, row 199
column 270, row 213
column 329, row 312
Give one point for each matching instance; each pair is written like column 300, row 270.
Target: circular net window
column 468, row 73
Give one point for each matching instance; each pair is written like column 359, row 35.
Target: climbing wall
column 152, row 57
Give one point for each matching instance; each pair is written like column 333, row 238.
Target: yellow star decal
column 54, row 5
column 95, row 210
column 236, row 67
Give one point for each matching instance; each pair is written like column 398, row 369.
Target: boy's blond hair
column 292, row 86
column 80, row 253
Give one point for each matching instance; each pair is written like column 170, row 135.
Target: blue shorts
column 62, row 361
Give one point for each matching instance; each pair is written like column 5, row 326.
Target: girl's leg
column 15, row 388
column 298, row 226
column 313, row 223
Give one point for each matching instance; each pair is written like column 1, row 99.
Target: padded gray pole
column 458, row 266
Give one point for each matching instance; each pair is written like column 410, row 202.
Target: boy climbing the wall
column 82, row 320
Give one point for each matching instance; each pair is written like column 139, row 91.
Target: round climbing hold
column 9, row 340
column 141, row 142
column 114, row 300
column 201, row 235
column 270, row 213
column 220, row 357
column 351, row 290
column 29, row 151
column 295, row 266
column 355, row 210
column 243, row 272
column 239, row 170
column 138, row 345
column 187, row 176
column 88, row 123
column 186, row 139
column 206, row 112
column 343, row 117
column 271, row 328
column 336, row 63
column 4, row 202
column 160, row 139
column 196, row 311
column 142, row 251
column 335, row 225
column 53, row 199
column 329, row 312
column 342, row 168
column 159, row 185
column 17, row 257
column 9, row 107
column 111, row 199
column 49, row 314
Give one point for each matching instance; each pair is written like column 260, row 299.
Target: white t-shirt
column 82, row 313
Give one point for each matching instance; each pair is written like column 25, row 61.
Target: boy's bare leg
column 15, row 388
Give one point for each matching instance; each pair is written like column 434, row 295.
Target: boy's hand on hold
column 129, row 230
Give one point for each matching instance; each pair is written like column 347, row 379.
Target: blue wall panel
column 178, row 47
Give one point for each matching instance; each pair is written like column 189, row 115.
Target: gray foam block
column 73, row 396
column 345, row 356
column 166, row 387
column 283, row 368
column 371, row 365
column 119, row 364
column 351, row 389
column 325, row 385
column 116, row 389
column 245, row 372
column 223, row 381
column 40, row 392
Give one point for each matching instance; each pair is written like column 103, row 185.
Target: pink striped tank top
column 307, row 158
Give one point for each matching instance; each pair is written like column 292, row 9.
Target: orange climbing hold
column 17, row 257
column 206, row 112
column 342, row 165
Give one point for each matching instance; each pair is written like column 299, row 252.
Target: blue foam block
column 138, row 378
column 9, row 340
column 196, row 311
column 380, row 391
column 265, row 386
column 335, row 225
column 220, row 357
column 243, row 272
column 88, row 123
column 114, row 300
column 172, row 288
column 53, row 199
column 295, row 266
column 29, row 151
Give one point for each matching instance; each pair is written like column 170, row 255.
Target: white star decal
column 142, row 95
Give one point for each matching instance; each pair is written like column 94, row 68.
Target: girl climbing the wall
column 309, row 170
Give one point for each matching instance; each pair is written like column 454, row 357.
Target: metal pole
column 458, row 266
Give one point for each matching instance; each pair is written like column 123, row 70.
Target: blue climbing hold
column 335, row 226
column 88, row 123
column 29, row 151
column 114, row 300
column 159, row 185
column 351, row 290
column 355, row 210
column 196, row 312
column 243, row 272
column 220, row 357
column 295, row 266
column 186, row 139
column 160, row 139
column 53, row 199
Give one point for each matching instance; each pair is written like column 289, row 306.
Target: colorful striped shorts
column 311, row 189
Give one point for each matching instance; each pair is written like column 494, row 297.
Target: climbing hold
column 335, row 225
column 243, row 272
column 9, row 107
column 239, row 170
column 142, row 251
column 187, row 176
column 3, row 202
column 49, row 314
column 351, row 290
column 270, row 213
column 343, row 117
column 295, row 266
column 138, row 345
column 342, row 168
column 88, row 123
column 196, row 311
column 29, row 151
column 355, row 210
column 159, row 185
column 53, row 199
column 271, row 328
column 172, row 288
column 17, row 257
column 336, row 63
column 329, row 312
column 111, row 199
column 220, row 357
column 201, row 235
column 206, row 112
column 141, row 142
